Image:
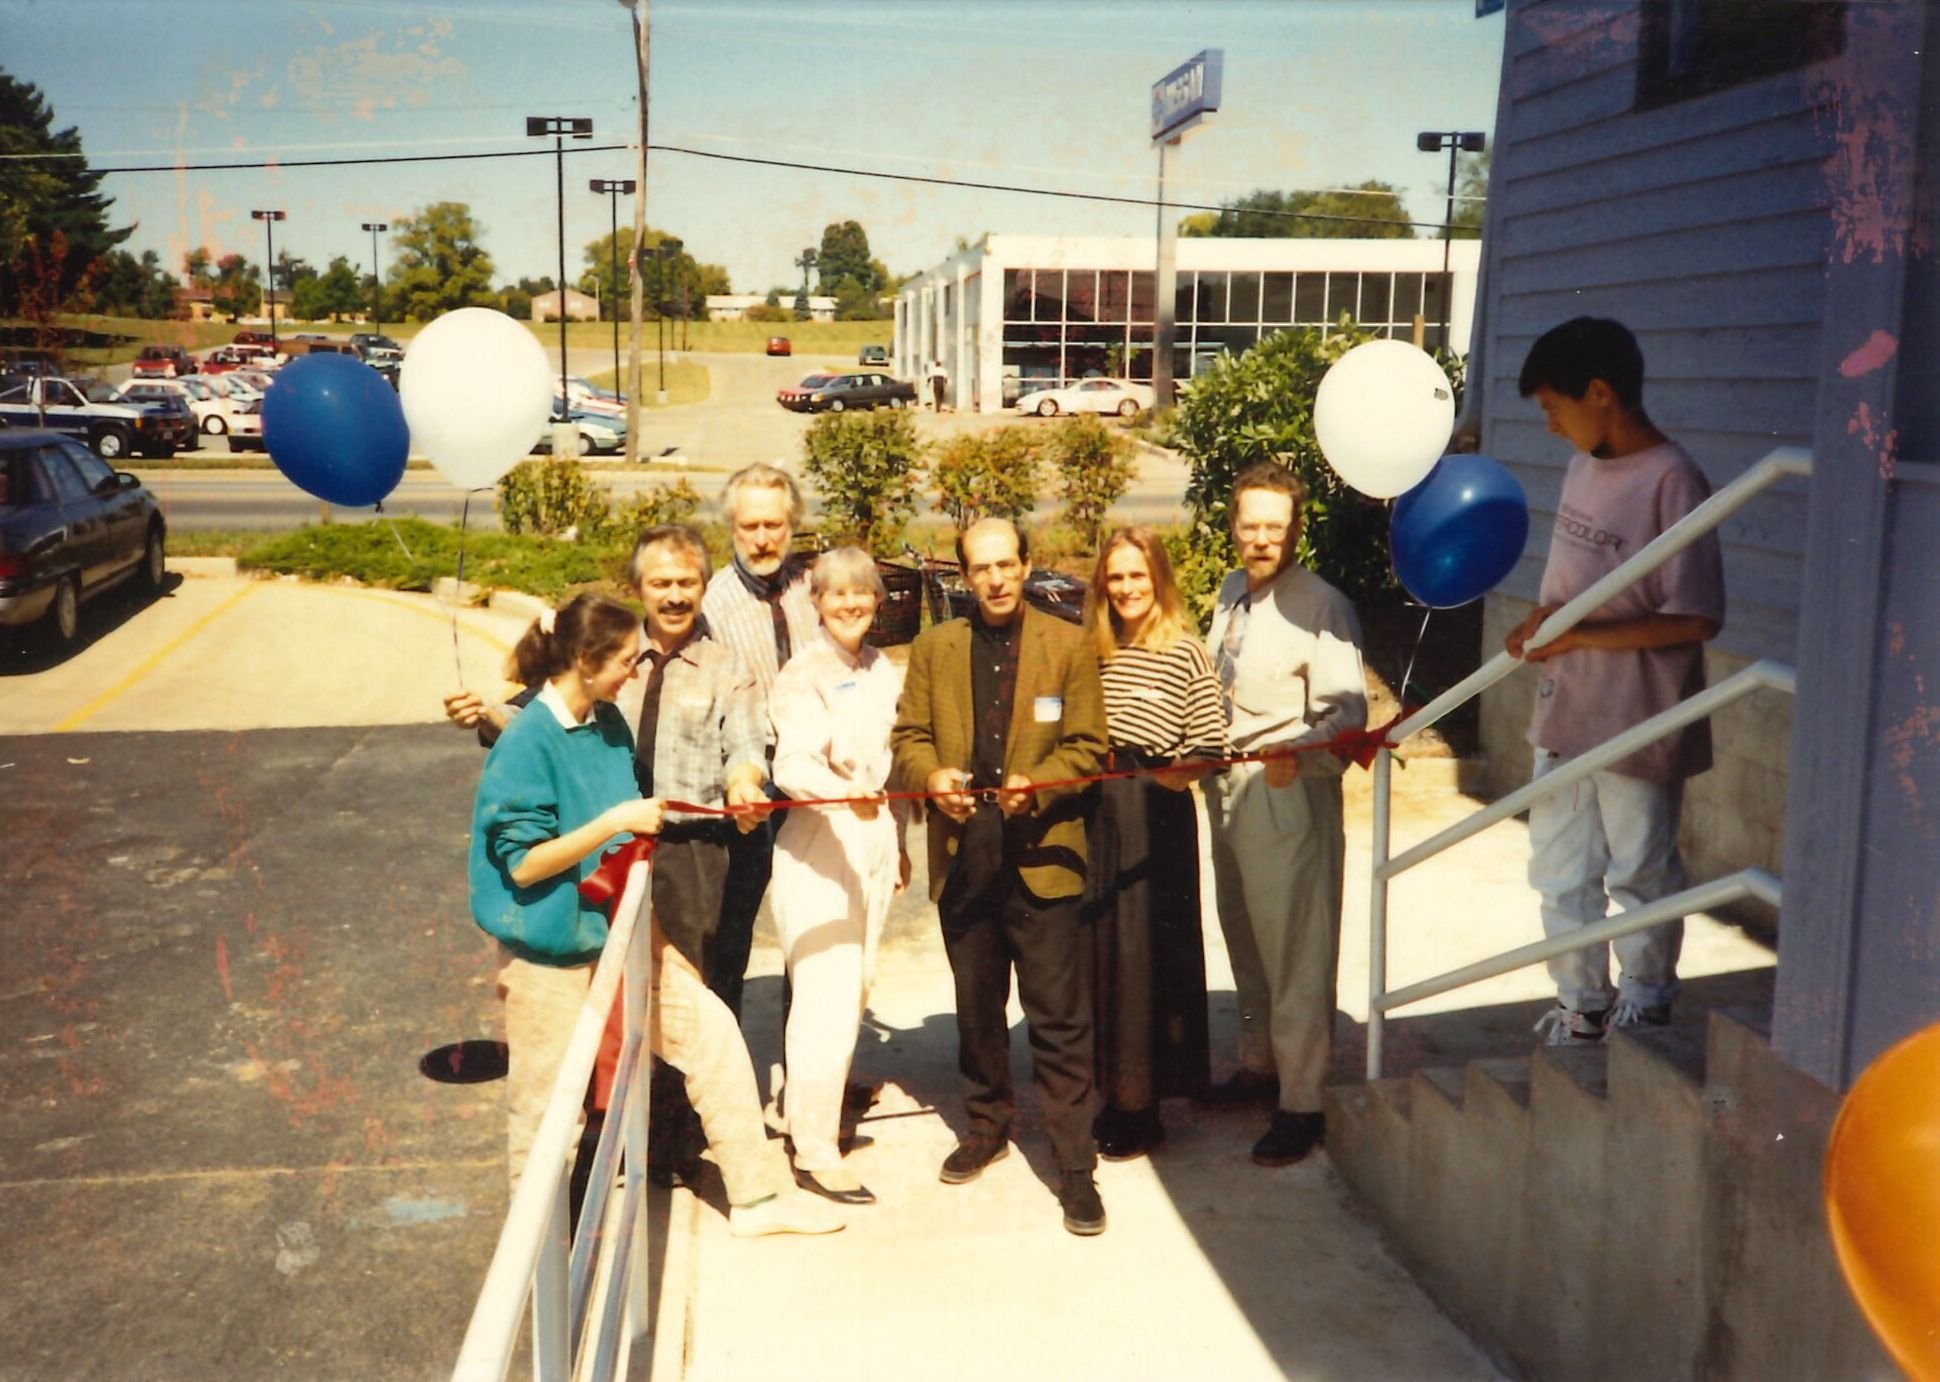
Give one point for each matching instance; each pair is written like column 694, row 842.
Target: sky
column 1045, row 94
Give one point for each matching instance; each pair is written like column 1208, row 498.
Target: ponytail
column 589, row 627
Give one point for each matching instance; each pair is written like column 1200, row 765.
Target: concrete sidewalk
column 231, row 950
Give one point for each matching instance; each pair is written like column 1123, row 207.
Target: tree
column 1372, row 211
column 343, row 291
column 865, row 466
column 197, row 270
column 131, row 287
column 237, row 288
column 307, row 299
column 845, row 254
column 1471, row 198
column 986, row 474
column 440, row 263
column 45, row 197
column 1093, row 463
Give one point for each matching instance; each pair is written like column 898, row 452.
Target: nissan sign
column 1186, row 93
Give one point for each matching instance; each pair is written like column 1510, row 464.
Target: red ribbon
column 1356, row 745
column 603, row 886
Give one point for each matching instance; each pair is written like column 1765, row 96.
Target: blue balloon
column 335, row 428
column 1458, row 532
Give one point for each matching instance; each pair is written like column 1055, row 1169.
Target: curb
column 203, row 566
column 517, row 602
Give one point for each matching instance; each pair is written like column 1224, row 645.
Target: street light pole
column 1456, row 142
column 376, row 277
column 614, row 189
column 665, row 253
column 559, row 127
column 269, row 220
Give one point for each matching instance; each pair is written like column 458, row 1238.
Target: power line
column 750, row 159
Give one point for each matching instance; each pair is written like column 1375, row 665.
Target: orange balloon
column 1882, row 1196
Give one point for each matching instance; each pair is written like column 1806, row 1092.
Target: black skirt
column 1149, row 980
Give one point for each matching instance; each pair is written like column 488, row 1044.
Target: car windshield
column 816, row 381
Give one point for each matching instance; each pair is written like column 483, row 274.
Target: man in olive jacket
column 992, row 704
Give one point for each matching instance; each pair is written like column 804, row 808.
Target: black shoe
column 1125, row 1136
column 1084, row 1212
column 860, row 1195
column 1243, row 1087
column 859, row 1096
column 974, row 1153
column 1289, row 1138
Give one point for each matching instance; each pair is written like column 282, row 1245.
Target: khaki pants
column 691, row 1029
column 1278, row 863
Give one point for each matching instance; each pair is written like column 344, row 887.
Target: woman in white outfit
column 836, row 868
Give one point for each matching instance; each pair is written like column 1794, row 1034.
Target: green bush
column 549, row 497
column 409, row 554
column 1093, row 463
column 866, row 467
column 1196, row 571
column 675, row 503
column 977, row 475
column 1258, row 406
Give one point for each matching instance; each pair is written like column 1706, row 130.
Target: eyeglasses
column 1264, row 532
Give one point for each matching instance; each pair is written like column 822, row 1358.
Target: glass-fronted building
column 1027, row 311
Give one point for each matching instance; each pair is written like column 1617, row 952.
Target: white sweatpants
column 1607, row 838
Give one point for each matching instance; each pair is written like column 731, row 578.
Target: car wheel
column 837, row 406
column 895, row 402
column 111, row 443
column 1047, row 407
column 214, row 425
column 154, row 560
column 63, row 621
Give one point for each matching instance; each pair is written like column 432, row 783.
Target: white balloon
column 477, row 391
column 1383, row 415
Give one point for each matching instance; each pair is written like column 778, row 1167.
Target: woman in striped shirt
column 1164, row 711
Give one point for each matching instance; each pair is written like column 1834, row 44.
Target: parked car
column 837, row 393
column 226, row 358
column 163, row 362
column 779, row 345
column 213, row 400
column 873, row 355
column 585, row 394
column 113, row 429
column 166, row 396
column 598, row 432
column 246, row 425
column 71, row 527
column 380, row 352
column 29, row 362
column 1089, row 396
column 261, row 338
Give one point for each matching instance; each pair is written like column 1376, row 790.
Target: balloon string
column 464, row 516
column 1401, row 692
column 391, row 523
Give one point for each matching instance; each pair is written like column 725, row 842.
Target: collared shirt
column 711, row 721
column 993, row 687
column 548, row 696
column 1296, row 675
column 833, row 712
column 745, row 622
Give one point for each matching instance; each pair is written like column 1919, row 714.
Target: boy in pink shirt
column 1612, row 837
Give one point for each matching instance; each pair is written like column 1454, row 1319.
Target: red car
column 795, row 397
column 778, row 345
column 163, row 362
column 261, row 338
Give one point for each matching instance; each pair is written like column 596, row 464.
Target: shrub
column 767, row 312
column 549, row 497
column 989, row 474
column 675, row 503
column 866, row 467
column 1094, row 468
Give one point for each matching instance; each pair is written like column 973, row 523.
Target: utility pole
column 614, row 189
column 559, row 127
column 376, row 278
column 1456, row 142
column 642, row 41
column 269, row 220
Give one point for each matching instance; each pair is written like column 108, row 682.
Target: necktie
column 1227, row 660
column 649, row 719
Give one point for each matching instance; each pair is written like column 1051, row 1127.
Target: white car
column 1089, row 396
column 597, row 432
column 208, row 398
column 588, row 398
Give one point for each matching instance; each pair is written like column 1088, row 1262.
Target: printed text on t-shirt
column 1580, row 530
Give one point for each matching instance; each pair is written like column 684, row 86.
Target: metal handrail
column 533, row 1258
column 1781, row 463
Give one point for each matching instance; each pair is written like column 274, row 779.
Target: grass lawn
column 116, row 340
column 687, row 381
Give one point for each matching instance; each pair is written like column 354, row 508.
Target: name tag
column 1047, row 710
column 842, row 686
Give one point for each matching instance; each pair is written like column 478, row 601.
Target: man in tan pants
column 1287, row 648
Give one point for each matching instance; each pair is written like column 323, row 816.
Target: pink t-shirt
column 1610, row 509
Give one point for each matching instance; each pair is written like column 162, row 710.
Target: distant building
column 194, row 304
column 580, row 307
column 1042, row 310
column 733, row 307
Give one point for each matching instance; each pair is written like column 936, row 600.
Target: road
column 701, row 442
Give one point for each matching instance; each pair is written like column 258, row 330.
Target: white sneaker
column 1561, row 1026
column 791, row 1211
column 1630, row 1013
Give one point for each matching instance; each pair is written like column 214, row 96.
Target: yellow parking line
column 148, row 664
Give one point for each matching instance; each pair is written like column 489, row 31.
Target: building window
column 1243, row 299
column 1049, row 295
column 1278, row 304
column 1310, row 298
column 1688, row 48
column 1114, row 295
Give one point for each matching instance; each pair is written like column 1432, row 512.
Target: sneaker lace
column 1627, row 1013
column 1554, row 1027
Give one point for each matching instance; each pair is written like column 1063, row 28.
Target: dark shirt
column 993, row 686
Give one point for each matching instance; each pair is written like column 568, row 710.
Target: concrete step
column 1367, row 1140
